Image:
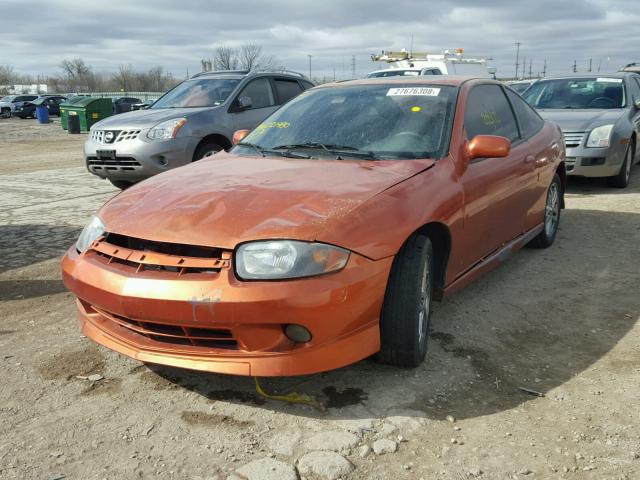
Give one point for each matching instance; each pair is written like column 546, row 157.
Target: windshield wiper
column 261, row 151
column 258, row 149
column 330, row 148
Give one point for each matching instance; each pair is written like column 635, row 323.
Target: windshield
column 394, row 73
column 576, row 93
column 200, row 92
column 364, row 121
column 7, row 98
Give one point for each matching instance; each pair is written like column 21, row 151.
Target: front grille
column 573, row 139
column 118, row 135
column 112, row 164
column 175, row 334
column 146, row 255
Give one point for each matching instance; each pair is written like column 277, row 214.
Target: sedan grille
column 175, row 334
column 573, row 139
column 149, row 256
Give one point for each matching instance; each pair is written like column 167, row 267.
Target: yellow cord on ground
column 292, row 397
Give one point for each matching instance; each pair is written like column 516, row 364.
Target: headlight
column 166, row 130
column 90, row 233
column 280, row 259
column 599, row 137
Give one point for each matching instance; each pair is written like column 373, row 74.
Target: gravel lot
column 563, row 322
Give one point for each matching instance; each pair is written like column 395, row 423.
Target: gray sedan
column 600, row 118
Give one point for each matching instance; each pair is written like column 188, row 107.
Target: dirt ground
column 562, row 322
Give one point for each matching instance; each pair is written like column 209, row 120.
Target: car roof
column 452, row 80
column 408, row 69
column 239, row 74
column 592, row 75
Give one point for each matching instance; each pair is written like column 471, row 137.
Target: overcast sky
column 36, row 35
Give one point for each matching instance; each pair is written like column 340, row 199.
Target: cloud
column 177, row 35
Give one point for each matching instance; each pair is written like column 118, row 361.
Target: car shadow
column 585, row 186
column 25, row 289
column 535, row 322
column 24, row 245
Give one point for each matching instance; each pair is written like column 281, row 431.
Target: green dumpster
column 89, row 109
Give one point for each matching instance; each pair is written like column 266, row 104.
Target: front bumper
column 136, row 159
column 128, row 312
column 595, row 162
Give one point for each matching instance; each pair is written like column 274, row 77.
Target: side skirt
column 492, row 261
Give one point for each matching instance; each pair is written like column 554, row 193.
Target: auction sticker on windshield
column 416, row 91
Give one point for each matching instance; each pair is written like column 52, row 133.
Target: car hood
column 145, row 118
column 228, row 199
column 581, row 120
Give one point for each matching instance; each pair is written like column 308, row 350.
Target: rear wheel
column 404, row 322
column 621, row 180
column 121, row 184
column 206, row 150
column 551, row 215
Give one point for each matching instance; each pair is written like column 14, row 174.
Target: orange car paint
column 483, row 208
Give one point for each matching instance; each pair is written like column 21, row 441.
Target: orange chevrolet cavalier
column 324, row 236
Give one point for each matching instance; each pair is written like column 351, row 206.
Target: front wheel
column 551, row 215
column 406, row 311
column 621, row 180
column 206, row 150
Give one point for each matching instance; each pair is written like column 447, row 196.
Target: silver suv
column 194, row 120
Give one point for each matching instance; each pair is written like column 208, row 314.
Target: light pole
column 517, row 57
column 309, row 66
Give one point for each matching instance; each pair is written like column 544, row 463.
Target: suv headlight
column 282, row 259
column 599, row 136
column 166, row 130
column 90, row 233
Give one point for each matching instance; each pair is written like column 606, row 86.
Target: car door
column 495, row 199
column 259, row 100
column 539, row 157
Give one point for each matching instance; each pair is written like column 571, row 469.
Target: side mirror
column 637, row 104
column 488, row 146
column 239, row 135
column 244, row 103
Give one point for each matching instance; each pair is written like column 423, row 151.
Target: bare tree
column 225, row 58
column 77, row 75
column 125, row 77
column 7, row 75
column 252, row 57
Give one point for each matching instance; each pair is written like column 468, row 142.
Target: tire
column 206, row 150
column 621, row 180
column 121, row 184
column 404, row 322
column 551, row 215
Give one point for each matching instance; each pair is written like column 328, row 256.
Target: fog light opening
column 297, row 333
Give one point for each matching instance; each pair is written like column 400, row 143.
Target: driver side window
column 260, row 93
column 489, row 113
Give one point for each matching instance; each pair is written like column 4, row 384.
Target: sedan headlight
column 599, row 136
column 281, row 259
column 90, row 233
column 166, row 130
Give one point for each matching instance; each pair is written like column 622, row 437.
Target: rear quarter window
column 528, row 119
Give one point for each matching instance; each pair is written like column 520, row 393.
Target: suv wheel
column 206, row 150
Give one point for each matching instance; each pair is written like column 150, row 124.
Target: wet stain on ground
column 213, row 419
column 344, row 398
column 444, row 339
column 244, row 397
column 67, row 365
column 110, row 387
column 159, row 382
